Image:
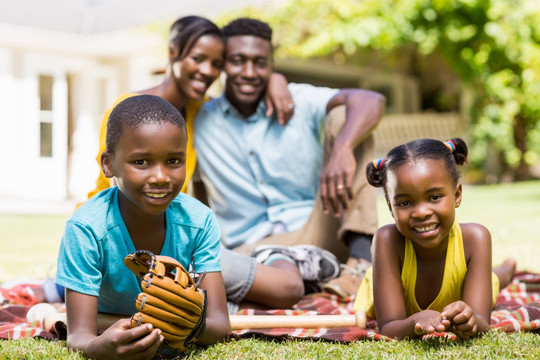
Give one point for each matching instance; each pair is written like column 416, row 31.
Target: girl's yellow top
column 455, row 270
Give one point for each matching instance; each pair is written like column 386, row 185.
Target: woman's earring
column 458, row 204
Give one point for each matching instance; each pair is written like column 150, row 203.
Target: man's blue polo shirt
column 262, row 178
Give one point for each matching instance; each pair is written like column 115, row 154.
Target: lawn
column 510, row 211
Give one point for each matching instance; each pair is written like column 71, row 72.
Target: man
column 262, row 177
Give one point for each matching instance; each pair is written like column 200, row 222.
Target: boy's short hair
column 140, row 110
column 247, row 26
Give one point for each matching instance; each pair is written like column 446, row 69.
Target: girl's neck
column 433, row 254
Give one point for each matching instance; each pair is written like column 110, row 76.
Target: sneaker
column 19, row 292
column 315, row 264
column 349, row 281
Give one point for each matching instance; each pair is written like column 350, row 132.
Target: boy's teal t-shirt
column 96, row 240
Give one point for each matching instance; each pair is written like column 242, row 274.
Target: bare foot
column 505, row 271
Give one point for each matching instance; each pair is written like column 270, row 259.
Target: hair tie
column 450, row 145
column 378, row 163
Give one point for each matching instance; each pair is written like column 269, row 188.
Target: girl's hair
column 453, row 152
column 186, row 31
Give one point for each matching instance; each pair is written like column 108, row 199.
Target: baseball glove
column 170, row 300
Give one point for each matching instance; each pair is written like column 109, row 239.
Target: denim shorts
column 238, row 272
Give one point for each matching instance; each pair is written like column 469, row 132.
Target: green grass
column 494, row 345
column 30, row 245
column 510, row 211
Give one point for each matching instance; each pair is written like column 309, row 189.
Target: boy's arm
column 364, row 110
column 217, row 318
column 119, row 341
column 388, row 291
column 472, row 315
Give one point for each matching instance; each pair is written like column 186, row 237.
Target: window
column 46, row 115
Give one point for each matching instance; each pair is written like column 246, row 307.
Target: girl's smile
column 422, row 198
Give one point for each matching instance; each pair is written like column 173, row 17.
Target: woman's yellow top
column 191, row 109
column 455, row 270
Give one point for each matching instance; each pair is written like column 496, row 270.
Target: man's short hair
column 140, row 110
column 247, row 26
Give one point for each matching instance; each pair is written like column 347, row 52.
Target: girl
column 430, row 273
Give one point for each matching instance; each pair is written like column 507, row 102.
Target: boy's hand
column 120, row 341
column 463, row 321
column 428, row 322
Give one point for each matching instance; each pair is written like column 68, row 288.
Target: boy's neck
column 147, row 232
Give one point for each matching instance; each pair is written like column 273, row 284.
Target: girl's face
column 196, row 71
column 422, row 198
column 149, row 166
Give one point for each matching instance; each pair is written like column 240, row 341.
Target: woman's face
column 196, row 71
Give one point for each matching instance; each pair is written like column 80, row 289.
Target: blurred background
column 468, row 68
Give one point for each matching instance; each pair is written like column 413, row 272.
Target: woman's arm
column 119, row 341
column 472, row 315
column 279, row 98
column 218, row 325
column 388, row 291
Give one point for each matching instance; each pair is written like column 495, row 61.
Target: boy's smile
column 149, row 166
column 422, row 198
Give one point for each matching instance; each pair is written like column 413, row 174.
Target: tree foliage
column 493, row 45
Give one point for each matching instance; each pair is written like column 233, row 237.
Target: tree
column 493, row 45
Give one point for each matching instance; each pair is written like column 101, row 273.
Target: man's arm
column 364, row 110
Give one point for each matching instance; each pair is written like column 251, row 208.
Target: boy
column 146, row 156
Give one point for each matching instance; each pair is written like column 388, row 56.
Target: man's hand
column 336, row 180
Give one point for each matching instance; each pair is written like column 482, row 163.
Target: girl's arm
column 472, row 315
column 119, row 341
column 218, row 325
column 388, row 291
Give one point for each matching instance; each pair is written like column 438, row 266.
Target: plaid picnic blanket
column 517, row 309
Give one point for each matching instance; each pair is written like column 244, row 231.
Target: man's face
column 248, row 66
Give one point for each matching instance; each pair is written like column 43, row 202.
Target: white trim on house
column 89, row 72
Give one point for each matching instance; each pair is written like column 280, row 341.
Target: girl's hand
column 463, row 321
column 279, row 99
column 120, row 341
column 428, row 322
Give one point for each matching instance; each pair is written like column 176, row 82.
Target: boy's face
column 248, row 62
column 149, row 166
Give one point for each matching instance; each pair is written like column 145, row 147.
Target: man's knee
column 335, row 120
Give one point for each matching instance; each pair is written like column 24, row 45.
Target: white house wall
column 94, row 83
